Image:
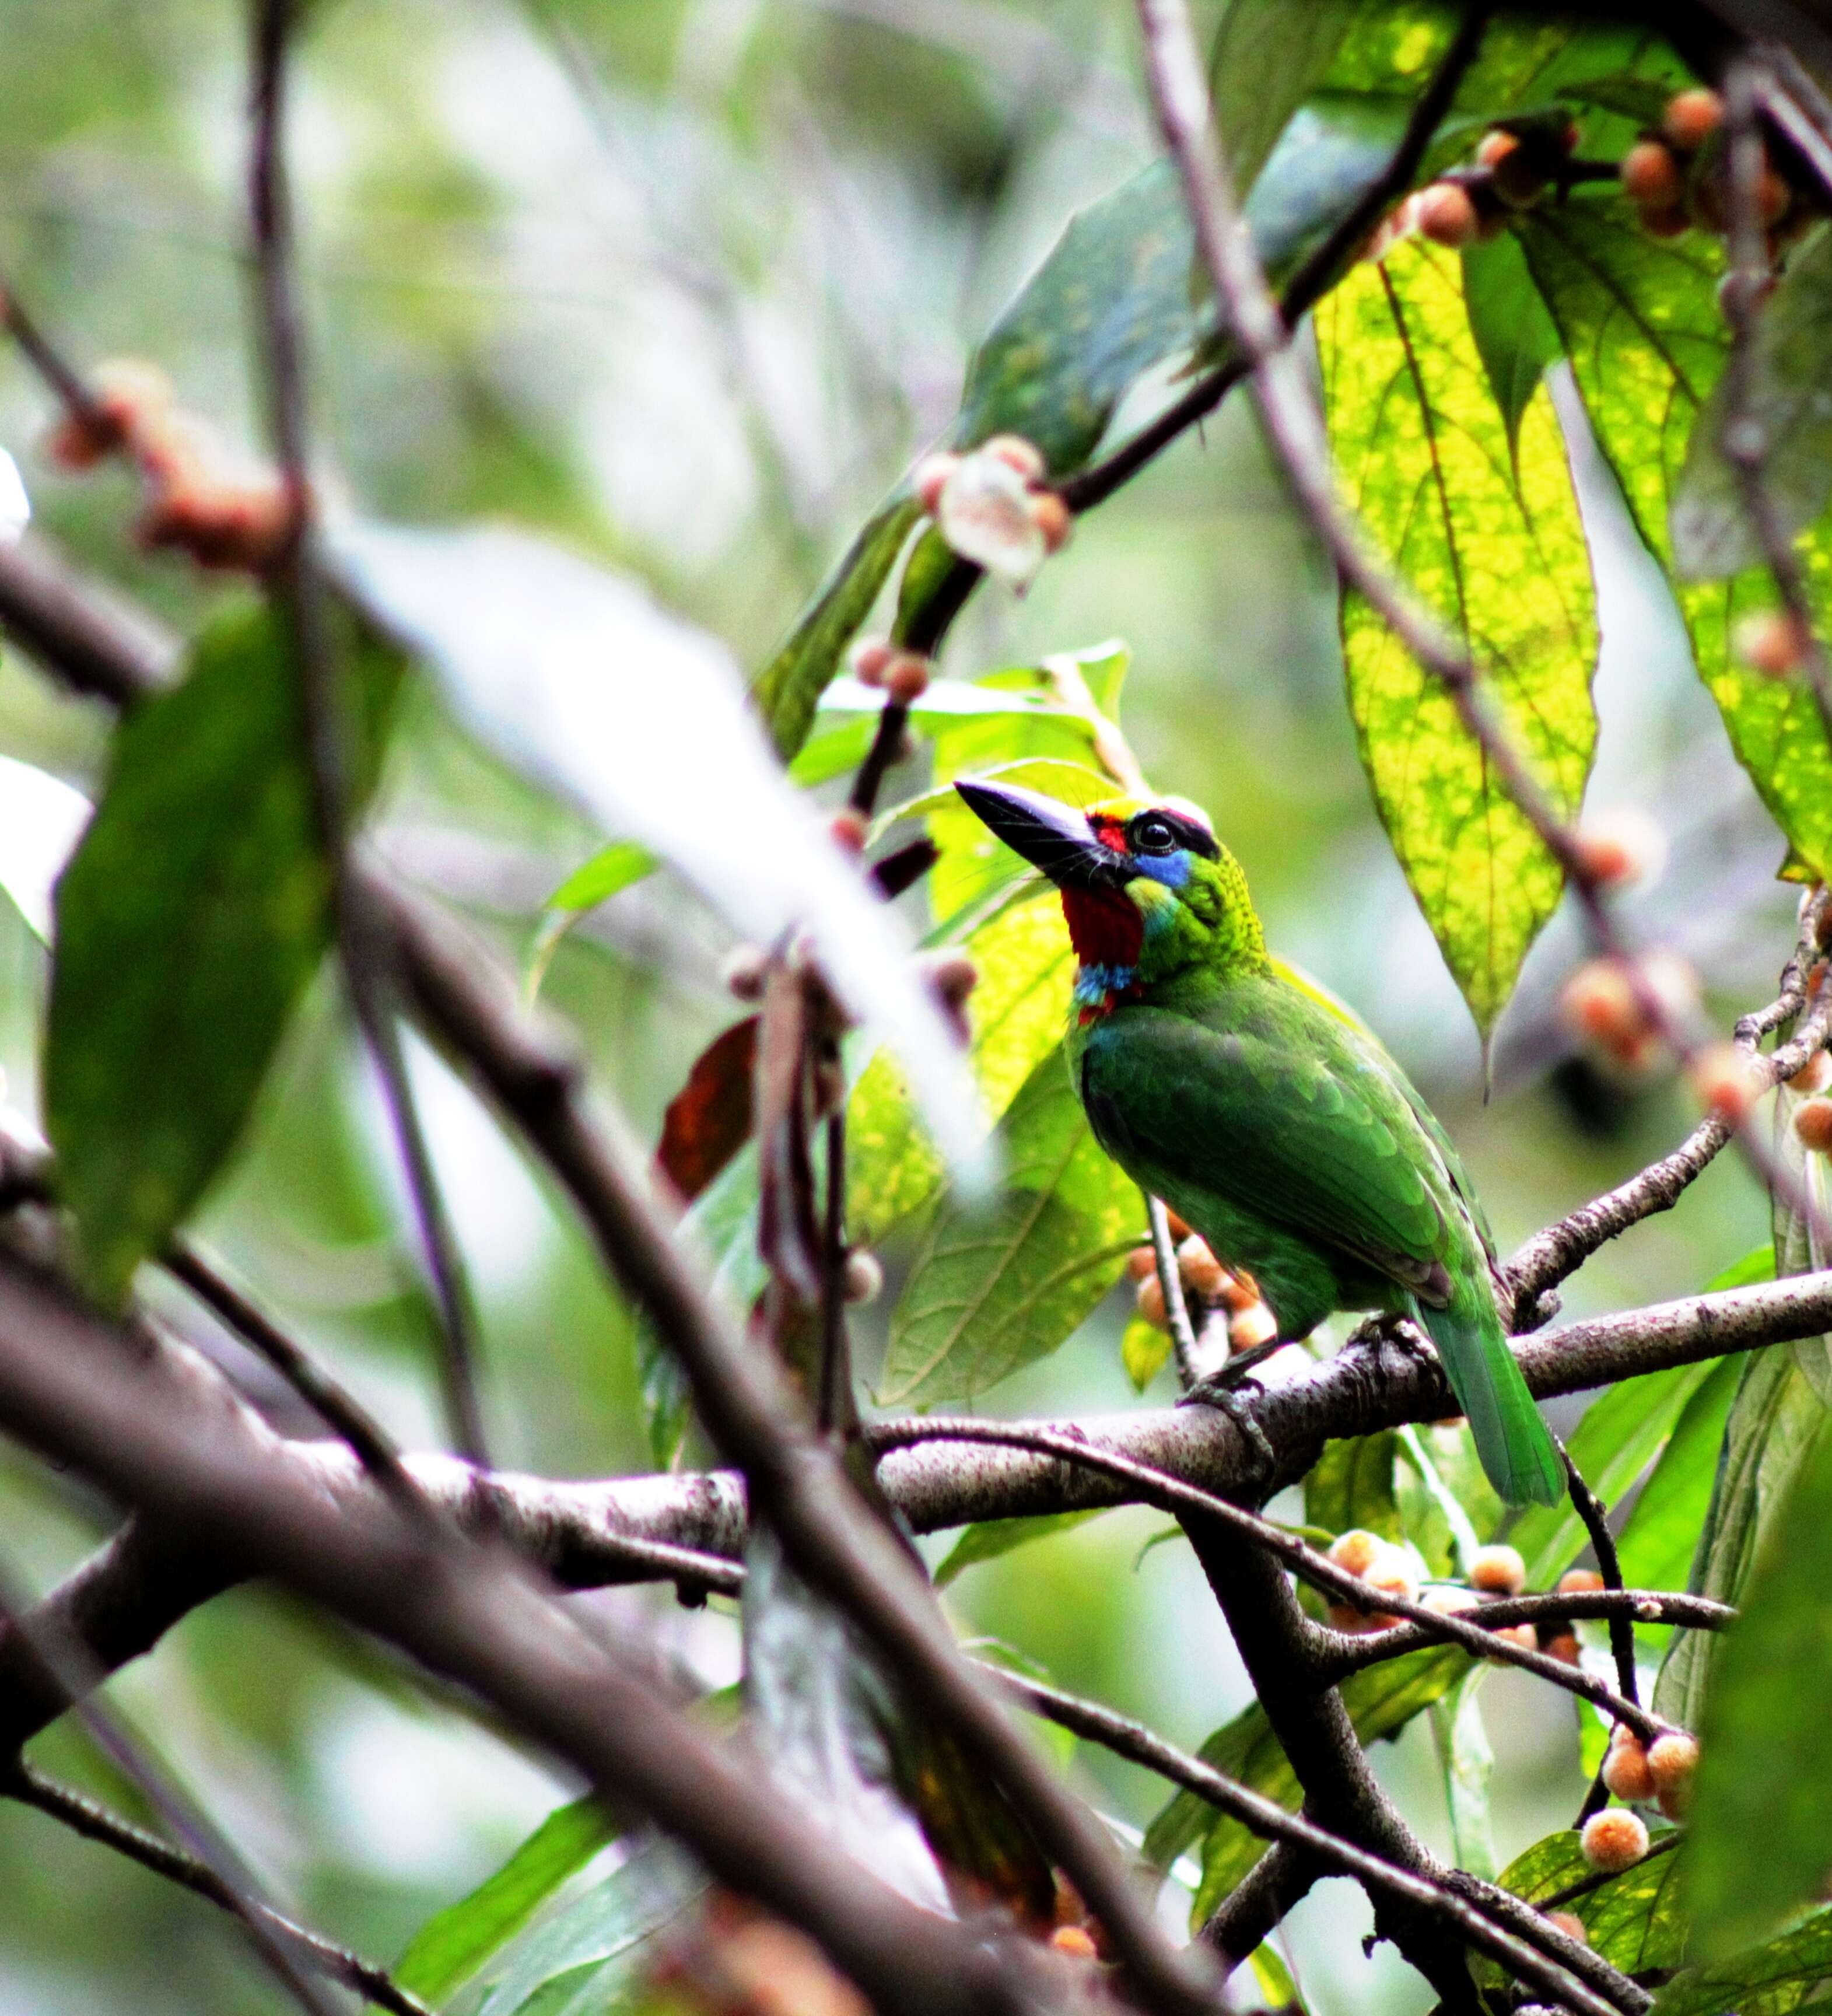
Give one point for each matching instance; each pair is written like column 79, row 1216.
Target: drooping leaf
column 602, row 1938
column 1351, row 1485
column 1381, row 1702
column 889, row 1782
column 1510, row 325
column 1768, row 1981
column 1775, row 1422
column 790, row 686
column 1791, row 401
column 1491, row 540
column 1622, row 1432
column 997, row 1286
column 1467, row 1763
column 990, row 1537
column 42, row 819
column 189, row 922
column 708, row 1119
column 1638, row 317
column 819, row 1705
column 1763, row 1775
column 452, row 1945
column 720, row 1230
column 1145, row 1351
column 1268, row 59
column 574, row 674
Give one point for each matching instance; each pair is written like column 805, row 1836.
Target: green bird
column 1272, row 1123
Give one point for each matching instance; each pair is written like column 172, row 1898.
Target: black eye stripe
column 1185, row 833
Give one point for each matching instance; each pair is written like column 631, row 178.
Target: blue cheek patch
column 1171, row 869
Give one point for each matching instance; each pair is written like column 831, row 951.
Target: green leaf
column 42, row 819
column 1111, row 300
column 1467, row 1763
column 1509, row 326
column 1269, row 57
column 608, row 873
column 1762, row 1774
column 1658, row 1545
column 1351, row 1485
column 609, row 1931
column 1775, row 1422
column 1635, row 1921
column 450, row 1947
column 1622, row 1430
column 721, row 1227
column 1768, row 1981
column 990, row 1538
column 1638, row 317
column 190, row 922
column 1490, row 539
column 788, row 688
column 1015, row 1015
column 998, row 1286
column 1791, row 401
column 1145, row 1351
column 1381, row 1702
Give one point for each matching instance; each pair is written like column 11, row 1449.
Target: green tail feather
column 1511, row 1439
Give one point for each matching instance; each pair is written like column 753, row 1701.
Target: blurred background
column 686, row 284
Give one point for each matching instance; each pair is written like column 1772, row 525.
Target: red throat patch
column 1105, row 927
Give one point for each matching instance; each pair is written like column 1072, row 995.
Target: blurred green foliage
column 686, row 286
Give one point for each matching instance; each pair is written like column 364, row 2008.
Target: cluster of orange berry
column 1674, row 178
column 1495, row 1573
column 1209, row 1288
column 1515, row 168
column 199, row 498
column 1661, row 1772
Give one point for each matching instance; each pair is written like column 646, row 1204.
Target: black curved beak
column 1050, row 835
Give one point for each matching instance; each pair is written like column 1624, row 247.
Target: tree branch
column 1266, row 1817
column 94, row 1822
column 141, row 1424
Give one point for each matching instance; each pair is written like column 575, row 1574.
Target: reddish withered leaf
column 708, row 1119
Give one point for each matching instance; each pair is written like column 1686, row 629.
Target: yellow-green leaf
column 997, row 1287
column 1639, row 319
column 1493, row 543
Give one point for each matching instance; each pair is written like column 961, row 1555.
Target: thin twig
column 1170, row 1282
column 65, row 1664
column 1158, row 1487
column 1266, row 1817
column 1589, row 1508
column 335, row 1405
column 886, row 746
column 30, row 1787
column 1664, row 1843
column 1551, row 1255
column 297, row 588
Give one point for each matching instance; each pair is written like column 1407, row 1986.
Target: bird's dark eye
column 1153, row 833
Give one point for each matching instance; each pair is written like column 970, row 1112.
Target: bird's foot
column 1382, row 1333
column 1222, row 1390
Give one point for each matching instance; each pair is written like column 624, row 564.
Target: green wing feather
column 1275, row 1102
